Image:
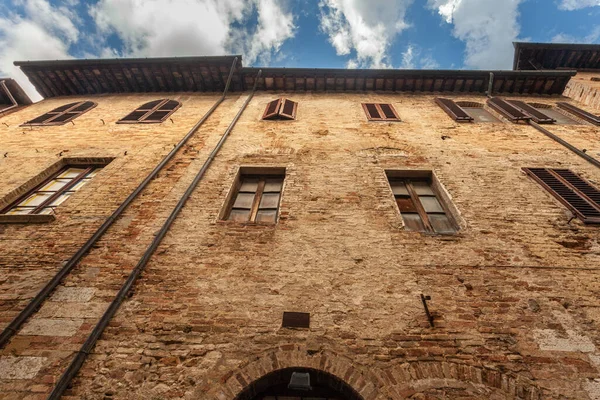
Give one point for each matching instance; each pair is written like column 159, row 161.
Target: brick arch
column 411, row 378
column 362, row 380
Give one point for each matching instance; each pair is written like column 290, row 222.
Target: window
column 466, row 111
column 153, row 112
column 62, row 114
column 256, row 198
column 51, row 193
column 281, row 109
column 553, row 113
column 595, row 79
column 508, row 110
column 380, row 112
column 420, row 206
column 579, row 113
column 577, row 194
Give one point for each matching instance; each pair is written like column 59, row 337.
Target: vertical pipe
column 37, row 301
column 75, row 365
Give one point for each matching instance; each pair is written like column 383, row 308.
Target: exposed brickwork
column 584, row 90
column 204, row 320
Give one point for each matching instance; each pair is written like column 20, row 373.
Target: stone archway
column 323, row 385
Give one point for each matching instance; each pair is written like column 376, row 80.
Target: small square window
column 380, row 112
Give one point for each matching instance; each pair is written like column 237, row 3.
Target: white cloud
column 487, row 27
column 577, row 4
column 194, row 27
column 45, row 33
column 367, row 28
column 592, row 37
column 413, row 58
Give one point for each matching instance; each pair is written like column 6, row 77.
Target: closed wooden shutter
column 63, row 114
column 380, row 112
column 272, row 110
column 578, row 112
column 508, row 110
column 535, row 114
column 288, row 109
column 453, row 110
column 571, row 190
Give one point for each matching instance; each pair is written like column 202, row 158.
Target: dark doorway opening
column 275, row 386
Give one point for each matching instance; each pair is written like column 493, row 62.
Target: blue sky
column 445, row 34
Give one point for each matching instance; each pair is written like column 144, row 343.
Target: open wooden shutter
column 578, row 112
column 571, row 190
column 288, row 109
column 533, row 112
column 372, row 112
column 272, row 109
column 453, row 110
column 508, row 110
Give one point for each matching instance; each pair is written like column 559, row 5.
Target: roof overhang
column 131, row 75
column 15, row 91
column 553, row 56
column 209, row 74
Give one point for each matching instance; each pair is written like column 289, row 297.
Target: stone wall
column 585, row 90
column 513, row 293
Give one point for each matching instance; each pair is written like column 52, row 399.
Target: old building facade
column 431, row 260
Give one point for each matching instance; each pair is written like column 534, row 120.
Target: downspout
column 10, row 96
column 37, row 301
column 551, row 135
column 491, row 85
column 75, row 365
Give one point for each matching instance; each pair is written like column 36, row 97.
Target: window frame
column 382, row 116
column 407, row 176
column 262, row 174
column 56, row 114
column 278, row 114
column 144, row 118
column 62, row 167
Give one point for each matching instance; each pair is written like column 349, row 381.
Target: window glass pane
column 273, row 185
column 244, row 200
column 40, row 119
column 560, row 118
column 92, row 173
column 149, row 106
column 405, row 204
column 249, row 185
column 47, row 210
column 422, row 188
column 60, row 199
column 35, row 199
column 431, row 204
column 71, row 173
column 373, row 111
column 78, row 185
column 441, row 223
column 268, row 216
column 84, row 107
column 169, row 105
column 63, row 108
column 239, row 215
column 55, row 185
column 481, row 115
column 269, row 200
column 413, row 222
column 387, row 111
column 399, row 188
column 20, row 211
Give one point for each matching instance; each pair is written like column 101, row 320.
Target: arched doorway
column 276, row 386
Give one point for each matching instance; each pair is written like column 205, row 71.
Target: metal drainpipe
column 73, row 368
column 10, row 96
column 491, row 85
column 37, row 301
column 563, row 142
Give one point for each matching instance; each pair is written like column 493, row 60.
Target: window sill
column 235, row 223
column 26, row 219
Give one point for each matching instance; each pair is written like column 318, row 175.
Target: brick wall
column 513, row 292
column 584, row 90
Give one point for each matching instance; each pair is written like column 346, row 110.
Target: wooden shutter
column 453, row 110
column 508, row 110
column 272, row 110
column 578, row 112
column 388, row 112
column 571, row 190
column 535, row 114
column 288, row 109
column 372, row 112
